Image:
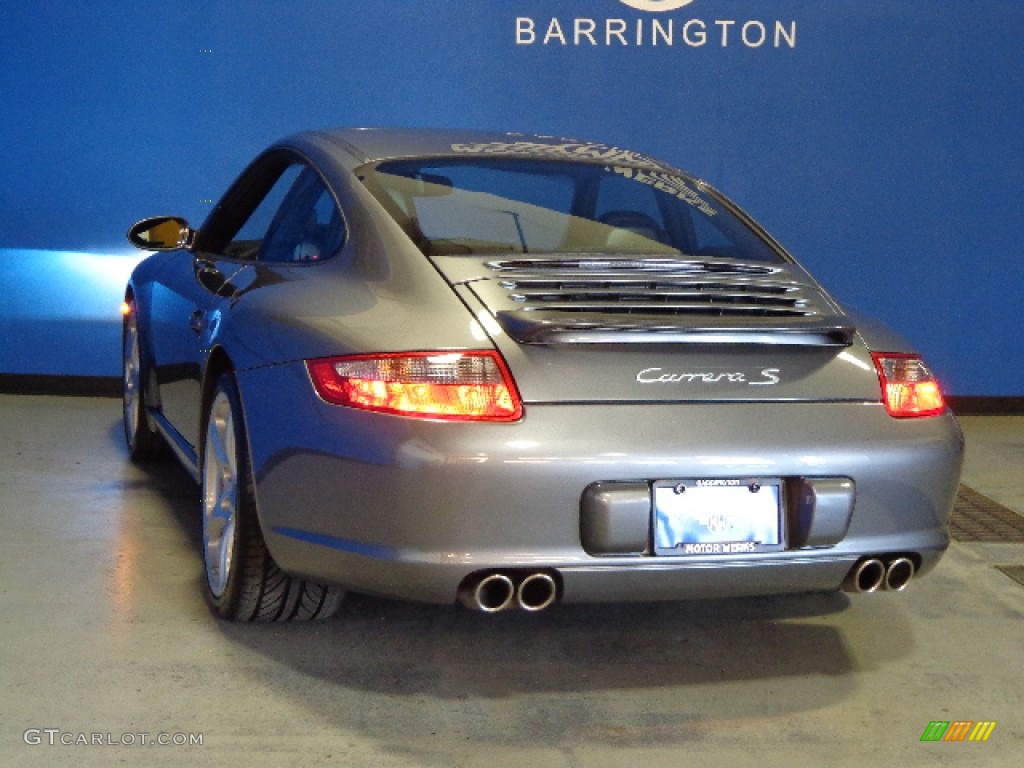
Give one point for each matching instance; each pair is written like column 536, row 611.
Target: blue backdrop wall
column 880, row 141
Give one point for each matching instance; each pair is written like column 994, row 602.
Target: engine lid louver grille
column 659, row 300
column 659, row 297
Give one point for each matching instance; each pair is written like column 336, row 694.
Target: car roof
column 377, row 144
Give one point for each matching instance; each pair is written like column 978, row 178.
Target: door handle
column 197, row 321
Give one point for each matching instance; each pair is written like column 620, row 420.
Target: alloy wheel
column 132, row 383
column 220, row 494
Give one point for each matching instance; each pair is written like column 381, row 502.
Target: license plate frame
column 700, row 517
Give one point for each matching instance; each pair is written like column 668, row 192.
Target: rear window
column 511, row 206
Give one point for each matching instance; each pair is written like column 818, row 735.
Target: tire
column 144, row 443
column 243, row 583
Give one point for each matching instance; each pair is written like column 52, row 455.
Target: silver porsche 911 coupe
column 515, row 370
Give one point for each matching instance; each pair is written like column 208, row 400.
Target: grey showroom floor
column 106, row 638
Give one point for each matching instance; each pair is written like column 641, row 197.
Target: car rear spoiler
column 539, row 327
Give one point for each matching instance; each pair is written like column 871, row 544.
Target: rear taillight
column 457, row 386
column 909, row 389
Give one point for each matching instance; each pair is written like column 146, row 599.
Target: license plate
column 717, row 517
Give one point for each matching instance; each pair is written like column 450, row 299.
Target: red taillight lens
column 457, row 386
column 909, row 389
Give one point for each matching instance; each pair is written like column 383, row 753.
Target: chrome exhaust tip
column 867, row 576
column 491, row 594
column 536, row 592
column 898, row 573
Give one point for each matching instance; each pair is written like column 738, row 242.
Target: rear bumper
column 411, row 509
column 427, row 580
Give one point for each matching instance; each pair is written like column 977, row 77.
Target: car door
column 192, row 295
column 181, row 307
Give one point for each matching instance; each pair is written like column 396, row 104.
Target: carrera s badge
column 766, row 377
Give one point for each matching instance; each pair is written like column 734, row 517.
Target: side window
column 307, row 226
column 279, row 210
column 248, row 239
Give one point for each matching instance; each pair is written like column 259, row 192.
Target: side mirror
column 161, row 233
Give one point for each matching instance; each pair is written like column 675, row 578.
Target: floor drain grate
column 976, row 517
